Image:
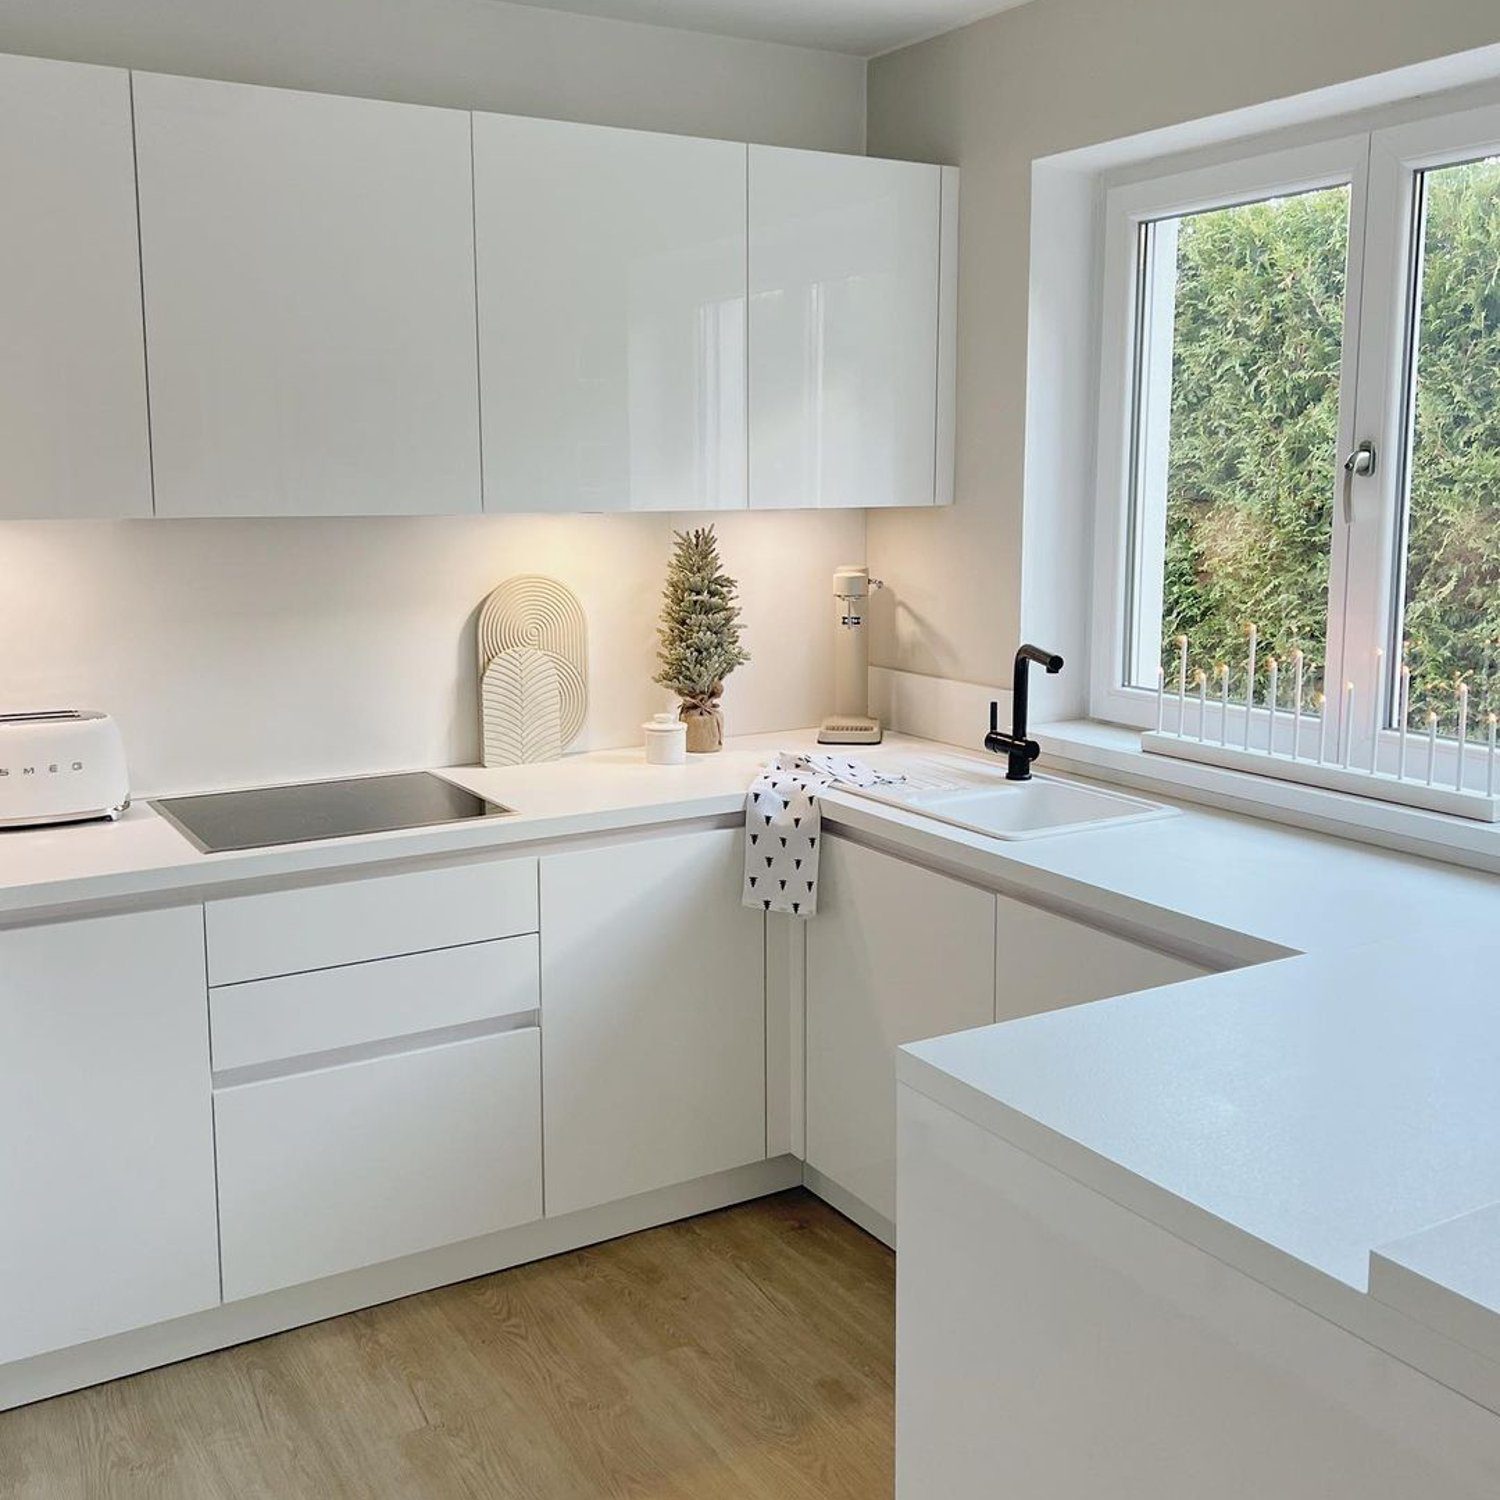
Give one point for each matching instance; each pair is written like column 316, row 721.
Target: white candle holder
column 1412, row 785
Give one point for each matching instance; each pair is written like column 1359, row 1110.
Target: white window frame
column 1375, row 575
column 1379, row 168
column 1342, row 162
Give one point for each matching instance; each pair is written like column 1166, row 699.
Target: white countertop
column 1226, row 885
column 1324, row 1105
column 143, row 856
column 1292, row 1117
column 1448, row 1277
column 1309, row 1120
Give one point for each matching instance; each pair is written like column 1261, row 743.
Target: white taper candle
column 1347, row 727
column 1201, row 678
column 1463, row 734
column 1181, row 686
column 1223, row 702
column 1404, row 711
column 1321, row 704
column 1161, row 683
column 1271, row 705
column 1297, row 704
column 1431, row 744
column 1489, row 775
column 1250, row 682
column 1378, row 696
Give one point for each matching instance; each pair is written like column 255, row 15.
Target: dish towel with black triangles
column 783, row 821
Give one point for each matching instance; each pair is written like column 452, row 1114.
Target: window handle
column 1359, row 464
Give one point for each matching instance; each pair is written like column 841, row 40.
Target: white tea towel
column 782, row 824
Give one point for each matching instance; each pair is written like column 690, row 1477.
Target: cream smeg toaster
column 61, row 765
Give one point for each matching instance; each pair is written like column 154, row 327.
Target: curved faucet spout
column 1048, row 659
column 1019, row 751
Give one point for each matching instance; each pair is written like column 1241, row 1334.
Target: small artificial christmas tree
column 700, row 635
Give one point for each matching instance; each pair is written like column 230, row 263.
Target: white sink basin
column 969, row 795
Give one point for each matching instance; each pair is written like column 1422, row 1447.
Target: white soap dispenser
column 850, row 722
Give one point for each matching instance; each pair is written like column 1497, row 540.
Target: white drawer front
column 266, row 1020
column 328, row 1171
column 317, row 927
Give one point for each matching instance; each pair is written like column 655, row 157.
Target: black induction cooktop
column 218, row 822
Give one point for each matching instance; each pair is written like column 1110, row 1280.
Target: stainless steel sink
column 968, row 794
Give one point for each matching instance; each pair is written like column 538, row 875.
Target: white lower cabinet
column 342, row 1167
column 653, row 1008
column 373, row 917
column 262, row 1022
column 895, row 954
column 363, row 1105
column 107, row 1167
column 898, row 954
column 1044, row 962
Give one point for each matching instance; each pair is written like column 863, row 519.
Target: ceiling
column 862, row 27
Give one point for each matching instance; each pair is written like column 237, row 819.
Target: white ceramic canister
column 666, row 740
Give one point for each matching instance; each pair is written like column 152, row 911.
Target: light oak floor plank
column 747, row 1354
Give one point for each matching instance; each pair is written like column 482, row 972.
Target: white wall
column 1050, row 77
column 237, row 652
column 470, row 54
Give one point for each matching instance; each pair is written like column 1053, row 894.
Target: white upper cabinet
column 275, row 303
column 309, row 287
column 73, row 438
column 611, row 275
column 849, row 284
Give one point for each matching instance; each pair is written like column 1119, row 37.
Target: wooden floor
column 746, row 1353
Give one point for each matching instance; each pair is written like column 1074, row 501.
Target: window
column 1449, row 601
column 1241, row 317
column 1265, row 321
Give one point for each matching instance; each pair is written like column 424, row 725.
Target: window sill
column 1112, row 752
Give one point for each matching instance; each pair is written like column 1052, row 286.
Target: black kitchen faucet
column 1019, row 752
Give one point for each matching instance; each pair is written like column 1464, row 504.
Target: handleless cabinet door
column 107, row 1215
column 1046, row 962
column 611, row 276
column 845, row 259
column 895, row 954
column 308, row 264
column 333, row 1168
column 73, row 437
column 654, row 1014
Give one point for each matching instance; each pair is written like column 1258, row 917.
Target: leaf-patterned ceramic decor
column 533, row 706
column 521, row 705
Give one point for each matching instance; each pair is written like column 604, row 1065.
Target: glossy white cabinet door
column 265, row 1022
column 309, row 277
column 328, row 1170
column 845, row 257
column 73, row 436
column 895, row 954
column 1045, row 961
column 107, row 1170
column 653, row 1015
column 377, row 916
column 611, row 272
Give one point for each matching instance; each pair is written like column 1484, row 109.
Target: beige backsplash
column 236, row 652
